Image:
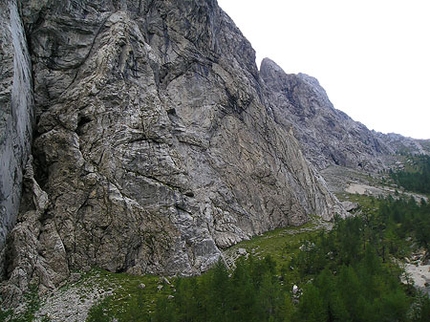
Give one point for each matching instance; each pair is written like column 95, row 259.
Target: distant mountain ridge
column 329, row 136
column 157, row 141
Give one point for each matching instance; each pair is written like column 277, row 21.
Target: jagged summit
column 268, row 66
column 328, row 136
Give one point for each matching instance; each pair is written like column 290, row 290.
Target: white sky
column 371, row 56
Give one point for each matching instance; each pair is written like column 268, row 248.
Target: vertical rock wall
column 155, row 146
column 16, row 115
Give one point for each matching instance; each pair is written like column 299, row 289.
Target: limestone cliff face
column 16, row 115
column 155, row 144
column 328, row 136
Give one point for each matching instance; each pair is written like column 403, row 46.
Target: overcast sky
column 371, row 56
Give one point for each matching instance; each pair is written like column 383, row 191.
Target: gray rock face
column 328, row 136
column 405, row 145
column 16, row 108
column 157, row 141
column 155, row 146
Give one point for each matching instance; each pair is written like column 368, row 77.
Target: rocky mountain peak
column 328, row 136
column 297, row 86
column 145, row 140
column 155, row 144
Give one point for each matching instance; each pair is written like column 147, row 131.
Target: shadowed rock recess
column 156, row 144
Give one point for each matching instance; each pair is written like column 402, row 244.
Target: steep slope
column 155, row 145
column 405, row 145
column 328, row 136
column 16, row 115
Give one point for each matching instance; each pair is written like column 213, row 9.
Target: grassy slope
column 129, row 299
